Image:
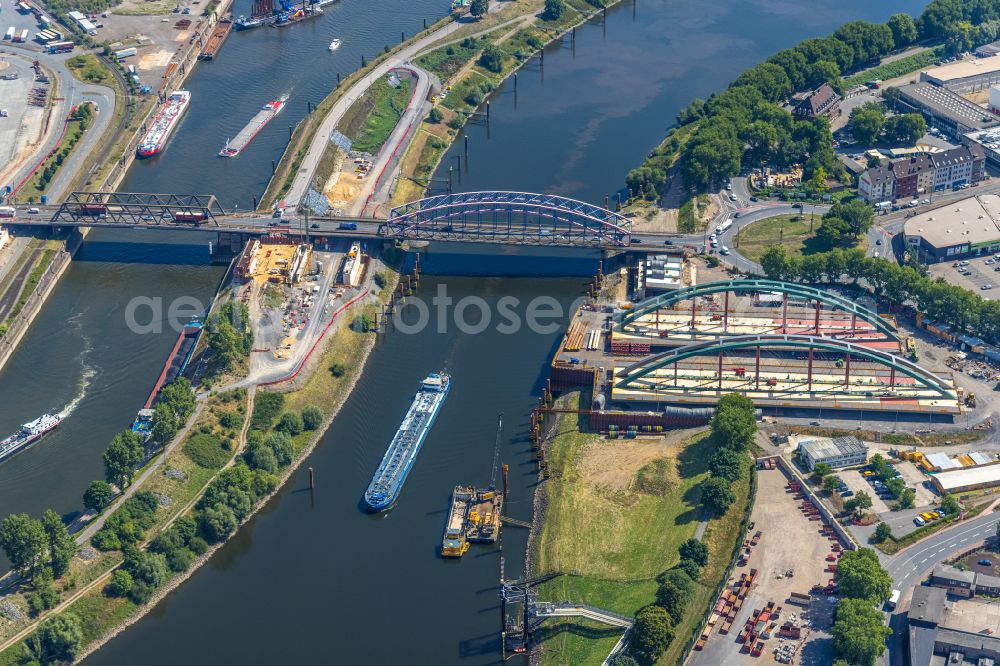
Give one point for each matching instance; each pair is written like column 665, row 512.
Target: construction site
column 786, row 346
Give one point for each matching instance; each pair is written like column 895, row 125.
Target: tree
column 904, row 30
column 179, row 396
column 651, row 633
column 860, row 576
column 291, row 423
column 62, row 547
column 492, row 58
column 624, row 660
column 821, row 470
column 734, row 423
column 717, row 495
column 694, row 550
column 217, row 522
column 24, row 542
column 58, row 639
column 553, row 9
column 165, row 424
column 122, row 457
column 690, row 567
column 98, row 496
column 949, row 505
column 895, row 487
column 672, row 599
column 859, row 503
column 906, row 129
column 479, row 7
column 312, row 417
column 859, row 631
column 882, row 532
column 907, row 499
column 120, row 585
column 434, row 116
column 867, row 122
column 831, row 482
column 817, row 184
column 727, row 464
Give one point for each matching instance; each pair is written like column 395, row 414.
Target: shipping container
column 125, row 53
column 24, row 35
column 9, row 35
column 61, row 47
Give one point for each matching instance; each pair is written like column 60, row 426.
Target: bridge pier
column 227, row 245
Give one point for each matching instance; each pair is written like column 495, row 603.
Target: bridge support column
column 725, row 314
column 816, row 322
column 809, row 372
column 854, row 323
column 784, row 314
column 756, row 372
column 720, row 369
column 847, row 372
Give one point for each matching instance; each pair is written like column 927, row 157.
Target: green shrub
column 266, row 409
column 206, row 451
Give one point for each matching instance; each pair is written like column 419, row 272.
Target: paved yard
column 789, row 542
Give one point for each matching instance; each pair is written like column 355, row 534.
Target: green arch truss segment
column 789, row 288
column 640, row 369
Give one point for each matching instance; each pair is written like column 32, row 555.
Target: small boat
column 334, row 45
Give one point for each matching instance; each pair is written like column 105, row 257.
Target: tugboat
column 398, row 459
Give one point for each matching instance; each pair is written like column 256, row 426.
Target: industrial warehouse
column 964, row 228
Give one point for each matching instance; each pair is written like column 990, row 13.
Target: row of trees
column 949, row 304
column 733, row 428
column 859, row 630
column 230, row 337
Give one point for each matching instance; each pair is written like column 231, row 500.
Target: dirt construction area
column 791, row 556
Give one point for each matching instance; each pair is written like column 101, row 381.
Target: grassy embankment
column 458, row 65
column 305, row 131
column 790, row 231
column 209, row 447
column 44, row 260
column 367, row 123
column 897, row 68
column 692, row 216
column 91, row 69
column 98, row 612
column 616, row 513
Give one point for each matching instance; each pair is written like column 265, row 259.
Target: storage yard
column 778, row 602
column 22, row 119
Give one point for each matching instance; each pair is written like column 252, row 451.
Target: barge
column 215, row 40
column 166, row 121
column 175, row 366
column 28, row 434
column 252, row 128
column 474, row 518
column 402, row 452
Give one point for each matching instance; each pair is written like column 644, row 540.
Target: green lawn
column 372, row 118
column 790, row 231
column 616, row 540
column 897, row 68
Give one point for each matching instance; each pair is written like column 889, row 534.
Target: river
column 313, row 579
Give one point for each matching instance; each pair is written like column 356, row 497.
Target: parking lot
column 972, row 275
column 790, row 557
column 857, row 483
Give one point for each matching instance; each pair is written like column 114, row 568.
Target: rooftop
column 821, row 449
column 973, row 220
column 969, row 476
column 927, row 604
column 947, row 104
column 963, row 69
column 948, row 572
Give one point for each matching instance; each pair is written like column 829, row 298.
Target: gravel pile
column 10, row 611
column 87, row 553
column 163, row 500
column 175, row 474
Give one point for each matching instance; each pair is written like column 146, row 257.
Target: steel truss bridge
column 509, row 217
column 788, row 289
column 138, row 209
column 636, row 375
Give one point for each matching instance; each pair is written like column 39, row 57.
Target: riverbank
column 614, row 513
column 105, row 617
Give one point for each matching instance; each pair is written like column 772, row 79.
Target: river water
column 312, row 578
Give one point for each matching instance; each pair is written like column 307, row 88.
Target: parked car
column 985, row 563
column 919, row 522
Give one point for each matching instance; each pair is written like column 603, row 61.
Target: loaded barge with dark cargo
column 402, row 452
column 175, row 366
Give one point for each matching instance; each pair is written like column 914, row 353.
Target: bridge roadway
column 520, row 233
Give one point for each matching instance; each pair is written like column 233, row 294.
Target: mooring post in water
column 467, row 142
column 309, row 108
column 542, row 63
column 605, row 202
column 515, row 81
column 362, row 61
column 451, row 170
column 272, row 167
column 290, row 129
column 487, row 109
column 459, row 166
column 312, row 479
column 619, row 200
column 338, row 78
column 425, row 24
column 255, row 198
